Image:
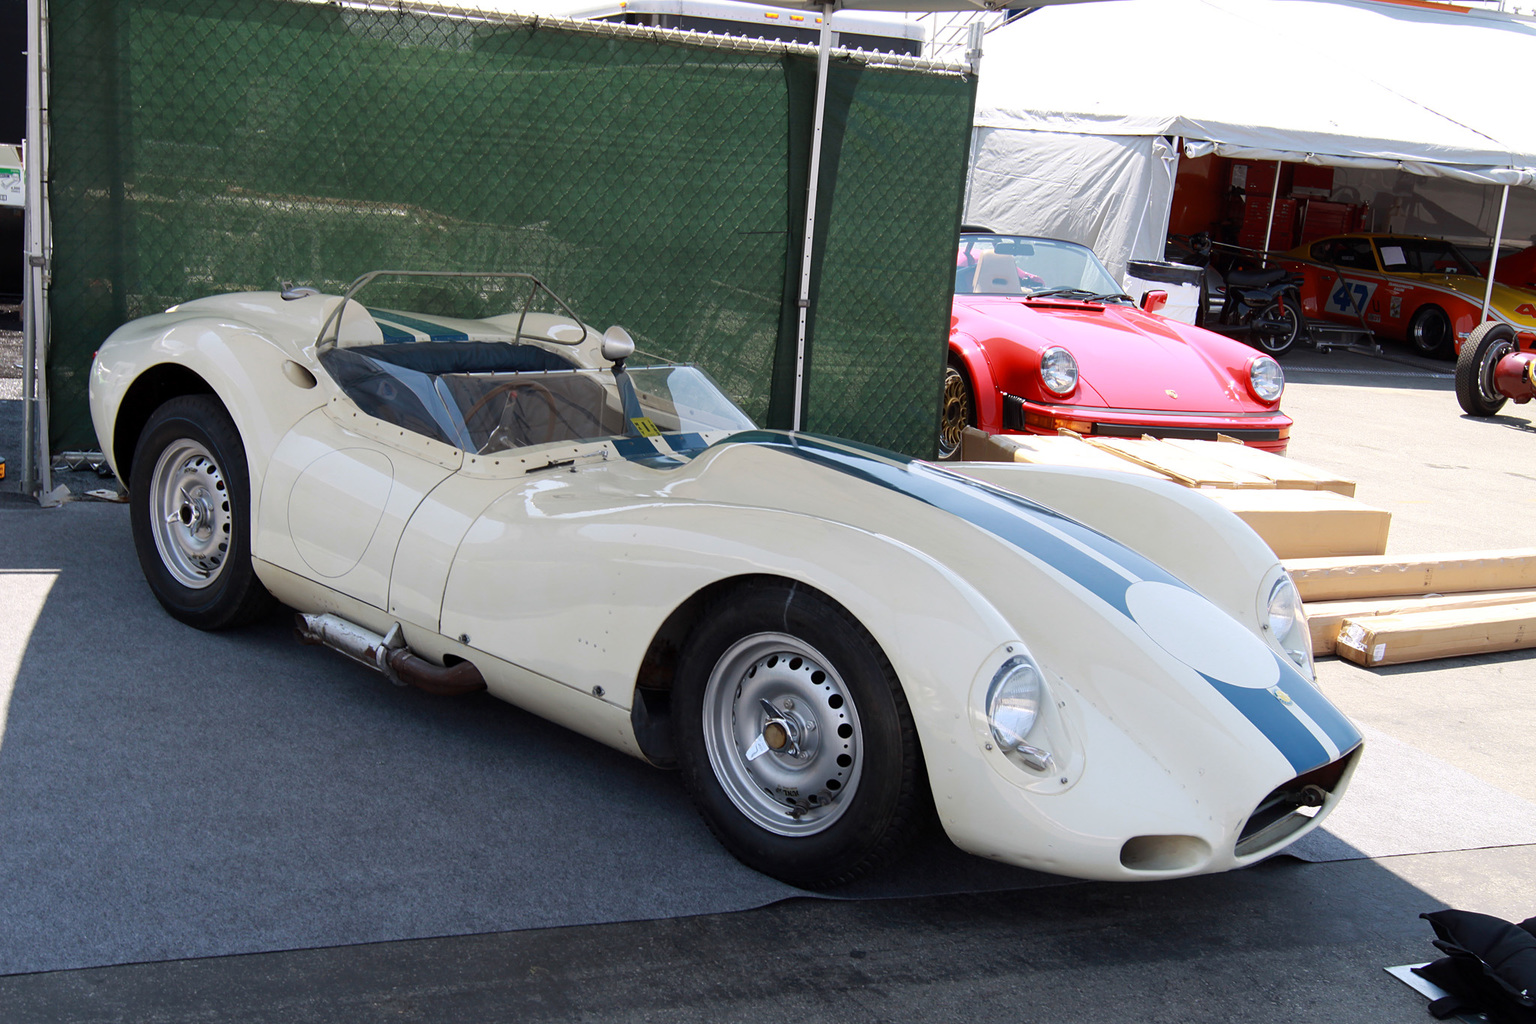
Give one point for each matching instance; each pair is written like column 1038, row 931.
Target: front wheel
column 959, row 413
column 794, row 738
column 1429, row 332
column 1480, row 353
column 190, row 509
column 1277, row 328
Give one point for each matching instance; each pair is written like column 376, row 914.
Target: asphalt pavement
column 1287, row 940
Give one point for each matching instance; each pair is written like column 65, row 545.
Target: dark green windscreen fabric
column 220, row 145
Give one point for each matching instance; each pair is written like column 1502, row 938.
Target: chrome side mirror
column 617, row 344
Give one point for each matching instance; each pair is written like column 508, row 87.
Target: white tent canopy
column 1434, row 92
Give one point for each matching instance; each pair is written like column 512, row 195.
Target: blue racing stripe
column 1022, row 523
column 434, row 332
column 392, row 334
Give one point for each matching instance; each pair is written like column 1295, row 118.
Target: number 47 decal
column 1350, row 297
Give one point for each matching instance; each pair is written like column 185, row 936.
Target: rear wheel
column 794, row 738
column 1429, row 332
column 1480, row 353
column 1277, row 328
column 190, row 509
column 959, row 412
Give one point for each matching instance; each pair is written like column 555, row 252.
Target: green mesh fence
column 201, row 146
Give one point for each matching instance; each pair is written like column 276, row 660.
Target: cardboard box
column 1308, row 524
column 1046, row 450
column 1282, row 471
column 1333, row 579
column 1326, row 618
column 1420, row 636
column 1190, row 468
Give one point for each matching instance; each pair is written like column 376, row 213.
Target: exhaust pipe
column 388, row 655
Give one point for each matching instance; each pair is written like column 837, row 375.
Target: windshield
column 1015, row 265
column 513, row 410
column 1422, row 256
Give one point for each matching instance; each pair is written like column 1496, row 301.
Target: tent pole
column 823, row 62
column 1269, row 225
column 36, row 477
column 1493, row 258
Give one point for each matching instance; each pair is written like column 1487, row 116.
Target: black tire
column 817, row 815
column 1480, row 353
column 1277, row 328
column 190, row 505
column 958, row 413
column 1429, row 332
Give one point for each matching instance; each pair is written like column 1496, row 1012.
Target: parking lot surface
column 237, row 829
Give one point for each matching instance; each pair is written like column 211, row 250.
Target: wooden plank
column 1335, row 578
column 1285, row 472
column 1308, row 524
column 1420, row 636
column 1324, row 618
column 1187, row 467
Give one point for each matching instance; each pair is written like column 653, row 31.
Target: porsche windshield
column 1040, row 267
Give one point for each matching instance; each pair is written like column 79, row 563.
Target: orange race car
column 1423, row 292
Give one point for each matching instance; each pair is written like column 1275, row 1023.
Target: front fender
column 984, row 393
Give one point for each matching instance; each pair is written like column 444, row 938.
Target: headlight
column 1013, row 707
column 1265, row 379
column 1286, row 623
column 1058, row 370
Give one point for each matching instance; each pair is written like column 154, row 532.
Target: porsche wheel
column 794, row 737
column 1480, row 353
column 1277, row 328
column 959, row 413
column 190, row 508
column 1429, row 332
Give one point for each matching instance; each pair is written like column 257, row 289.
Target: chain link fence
column 653, row 179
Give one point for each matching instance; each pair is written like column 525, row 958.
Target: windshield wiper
column 1062, row 293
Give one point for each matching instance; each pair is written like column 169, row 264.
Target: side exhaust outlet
column 388, row 655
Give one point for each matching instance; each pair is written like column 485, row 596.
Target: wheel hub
column 190, row 513
column 782, row 734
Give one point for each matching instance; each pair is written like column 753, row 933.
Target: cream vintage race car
column 1081, row 672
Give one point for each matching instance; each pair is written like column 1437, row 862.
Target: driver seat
column 997, row 272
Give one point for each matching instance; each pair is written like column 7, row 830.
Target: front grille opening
column 1291, row 808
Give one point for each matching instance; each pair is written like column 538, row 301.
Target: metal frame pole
column 36, row 473
column 823, row 63
column 1493, row 258
column 1269, row 225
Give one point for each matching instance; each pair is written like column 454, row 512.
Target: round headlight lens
column 1287, row 623
column 1266, row 379
column 1058, row 370
column 1013, row 701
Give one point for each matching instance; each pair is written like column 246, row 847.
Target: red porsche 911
column 1042, row 338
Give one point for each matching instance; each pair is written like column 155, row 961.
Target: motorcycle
column 1259, row 307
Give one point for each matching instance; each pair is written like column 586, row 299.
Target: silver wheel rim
column 189, row 514
column 1282, row 342
column 792, row 770
column 1429, row 332
column 1491, row 356
column 957, row 413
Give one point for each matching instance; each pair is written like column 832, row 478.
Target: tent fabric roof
column 1348, row 82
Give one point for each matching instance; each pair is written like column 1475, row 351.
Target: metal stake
column 1493, row 259
column 823, row 63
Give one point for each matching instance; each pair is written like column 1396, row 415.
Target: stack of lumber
column 1393, row 610
column 1300, row 511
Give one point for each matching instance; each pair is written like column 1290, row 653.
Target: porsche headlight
column 1058, row 370
column 1286, row 623
column 1013, row 708
column 1265, row 379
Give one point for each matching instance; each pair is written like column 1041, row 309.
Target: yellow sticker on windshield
column 645, row 426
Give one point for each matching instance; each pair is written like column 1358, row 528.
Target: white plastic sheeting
column 1108, row 192
column 1347, row 83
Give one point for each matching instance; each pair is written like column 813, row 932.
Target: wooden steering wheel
column 513, row 389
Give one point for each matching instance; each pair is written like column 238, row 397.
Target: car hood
column 1007, row 546
column 1126, row 359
